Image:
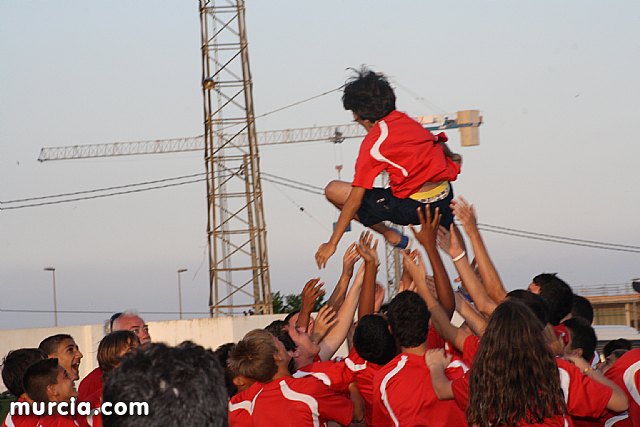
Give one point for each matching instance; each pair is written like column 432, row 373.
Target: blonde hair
column 253, row 356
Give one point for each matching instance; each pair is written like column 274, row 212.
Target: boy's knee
column 332, row 189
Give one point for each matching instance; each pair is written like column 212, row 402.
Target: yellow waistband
column 436, row 191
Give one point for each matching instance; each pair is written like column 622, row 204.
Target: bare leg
column 337, row 192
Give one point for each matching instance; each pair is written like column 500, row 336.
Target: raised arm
column 348, row 261
column 476, row 321
column 310, row 293
column 427, row 236
column 460, row 260
column 466, row 214
column 368, row 249
column 618, row 401
column 336, row 336
column 348, row 212
column 439, row 318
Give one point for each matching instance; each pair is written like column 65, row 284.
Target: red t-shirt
column 89, row 386
column 625, row 372
column 241, row 406
column 363, row 374
column 20, row 420
column 583, row 396
column 291, row 402
column 404, row 396
column 407, row 151
column 470, row 348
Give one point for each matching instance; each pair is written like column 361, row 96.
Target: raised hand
column 412, row 262
column 465, row 213
column 366, row 249
column 349, row 260
column 324, row 321
column 310, row 293
column 429, row 224
column 456, row 247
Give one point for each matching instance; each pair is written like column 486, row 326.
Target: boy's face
column 69, row 357
column 64, row 389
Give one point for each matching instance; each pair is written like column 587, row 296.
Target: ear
column 52, row 392
column 240, row 381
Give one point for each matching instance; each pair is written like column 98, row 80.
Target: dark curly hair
column 514, row 378
column 369, row 95
column 409, row 319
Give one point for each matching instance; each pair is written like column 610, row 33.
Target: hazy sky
column 556, row 83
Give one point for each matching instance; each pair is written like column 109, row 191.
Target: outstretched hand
column 465, row 213
column 310, row 293
column 427, row 236
column 324, row 321
column 349, row 260
column 367, row 248
column 412, row 262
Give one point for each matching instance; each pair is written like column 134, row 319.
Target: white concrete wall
column 208, row 332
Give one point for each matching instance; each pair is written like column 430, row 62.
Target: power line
column 98, row 196
column 8, row 310
column 558, row 237
column 299, row 102
column 29, row 199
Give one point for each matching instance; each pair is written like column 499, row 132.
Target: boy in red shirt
column 47, row 382
column 403, row 394
column 419, row 164
column 278, row 399
column 14, row 366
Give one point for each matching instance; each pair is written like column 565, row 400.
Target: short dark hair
column 369, row 95
column 49, row 345
column 582, row 308
column 536, row 303
column 183, row 385
column 280, row 330
column 222, row 353
column 557, row 294
column 582, row 336
column 409, row 319
column 38, row 377
column 15, row 364
column 373, row 341
column 617, row 344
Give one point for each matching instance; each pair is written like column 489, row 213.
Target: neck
column 418, row 351
column 282, row 372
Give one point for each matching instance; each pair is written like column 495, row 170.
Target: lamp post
column 55, row 300
column 180, row 271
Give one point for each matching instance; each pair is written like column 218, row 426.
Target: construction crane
column 466, row 121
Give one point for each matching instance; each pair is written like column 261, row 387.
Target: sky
column 556, row 83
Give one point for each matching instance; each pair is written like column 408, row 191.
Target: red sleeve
column 333, row 406
column 586, row 397
column 367, row 168
column 470, row 348
column 460, row 388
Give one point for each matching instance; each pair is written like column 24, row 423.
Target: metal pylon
column 236, row 231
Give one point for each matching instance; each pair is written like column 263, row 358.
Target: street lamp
column 182, row 270
column 55, row 300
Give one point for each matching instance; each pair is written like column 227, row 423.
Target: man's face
column 65, row 387
column 69, row 357
column 134, row 324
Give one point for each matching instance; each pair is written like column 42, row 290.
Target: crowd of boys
column 407, row 363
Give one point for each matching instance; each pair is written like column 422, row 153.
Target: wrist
column 459, row 256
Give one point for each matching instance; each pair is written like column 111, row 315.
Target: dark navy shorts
column 380, row 205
